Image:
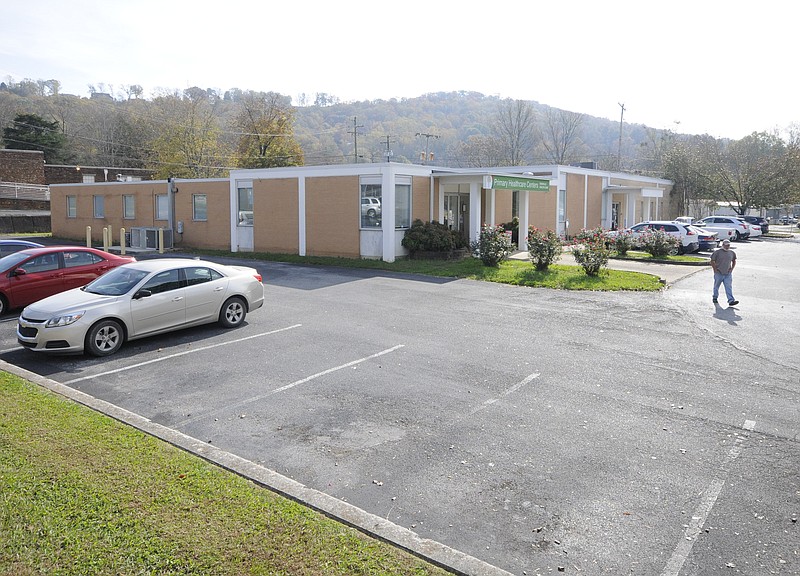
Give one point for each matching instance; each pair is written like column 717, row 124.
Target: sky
column 723, row 68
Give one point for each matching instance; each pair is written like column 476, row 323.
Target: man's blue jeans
column 727, row 281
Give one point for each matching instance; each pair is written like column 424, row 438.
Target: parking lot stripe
column 289, row 386
column 702, row 511
column 504, row 393
column 177, row 354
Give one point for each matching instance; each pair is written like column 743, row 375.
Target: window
column 128, row 207
column 245, row 199
column 402, row 205
column 72, row 206
column 43, row 263
column 199, row 207
column 88, row 178
column 80, row 258
column 200, row 275
column 162, row 207
column 371, row 193
column 99, row 206
column 163, row 282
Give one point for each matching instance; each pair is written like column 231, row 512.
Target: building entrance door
column 456, row 213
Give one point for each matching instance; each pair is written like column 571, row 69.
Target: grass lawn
column 517, row 272
column 81, row 493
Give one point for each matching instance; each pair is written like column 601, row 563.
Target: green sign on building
column 517, row 183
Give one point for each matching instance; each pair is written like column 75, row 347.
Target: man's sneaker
column 733, row 303
column 714, row 300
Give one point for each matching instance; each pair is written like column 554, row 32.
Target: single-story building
column 352, row 210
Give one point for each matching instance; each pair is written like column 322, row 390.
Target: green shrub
column 658, row 243
column 544, row 247
column 590, row 250
column 493, row 245
column 431, row 237
column 623, row 241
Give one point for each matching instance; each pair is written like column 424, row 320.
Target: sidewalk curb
column 434, row 552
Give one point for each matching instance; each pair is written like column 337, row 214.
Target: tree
column 560, row 135
column 757, row 171
column 187, row 137
column 266, row 137
column 32, row 132
column 514, row 127
column 480, row 151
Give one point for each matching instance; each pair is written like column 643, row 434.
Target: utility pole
column 356, row 126
column 389, row 153
column 427, row 139
column 619, row 149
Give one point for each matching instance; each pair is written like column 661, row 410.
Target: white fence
column 24, row 191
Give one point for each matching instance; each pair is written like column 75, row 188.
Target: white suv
column 370, row 207
column 690, row 241
column 724, row 225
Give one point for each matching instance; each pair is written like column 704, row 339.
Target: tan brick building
column 354, row 210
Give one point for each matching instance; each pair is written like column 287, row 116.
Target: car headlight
column 64, row 320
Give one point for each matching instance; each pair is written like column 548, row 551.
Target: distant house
column 353, row 210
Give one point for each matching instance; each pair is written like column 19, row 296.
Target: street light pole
column 619, row 148
column 427, row 139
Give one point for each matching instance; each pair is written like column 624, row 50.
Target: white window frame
column 128, row 207
column 72, row 206
column 402, row 202
column 195, row 198
column 99, row 206
column 162, row 207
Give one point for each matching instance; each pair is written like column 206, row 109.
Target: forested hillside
column 200, row 133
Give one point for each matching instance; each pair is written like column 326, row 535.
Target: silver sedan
column 138, row 300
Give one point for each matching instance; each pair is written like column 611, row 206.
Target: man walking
column 723, row 261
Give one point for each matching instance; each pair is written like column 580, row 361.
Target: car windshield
column 116, row 282
column 11, row 261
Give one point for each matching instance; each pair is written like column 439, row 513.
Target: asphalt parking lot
column 534, row 430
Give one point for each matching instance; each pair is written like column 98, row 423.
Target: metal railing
column 24, row 191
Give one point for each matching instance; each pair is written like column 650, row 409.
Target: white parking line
column 702, row 511
column 287, row 386
column 193, row 350
column 504, row 393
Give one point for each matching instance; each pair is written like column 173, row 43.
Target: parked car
column 739, row 230
column 370, row 207
column 688, row 237
column 138, row 300
column 755, row 229
column 759, row 221
column 707, row 239
column 35, row 273
column 10, row 246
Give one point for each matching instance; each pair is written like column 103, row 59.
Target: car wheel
column 371, row 213
column 3, row 305
column 737, row 236
column 232, row 313
column 674, row 251
column 104, row 338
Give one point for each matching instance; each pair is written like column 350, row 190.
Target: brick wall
column 22, row 166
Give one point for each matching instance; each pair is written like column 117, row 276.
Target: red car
column 30, row 275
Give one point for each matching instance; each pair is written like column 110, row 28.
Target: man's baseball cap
column 726, row 242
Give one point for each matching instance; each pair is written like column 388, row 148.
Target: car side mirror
column 18, row 272
column 143, row 293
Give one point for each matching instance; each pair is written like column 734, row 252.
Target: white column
column 490, row 217
column 387, row 215
column 524, row 218
column 301, row 215
column 475, row 211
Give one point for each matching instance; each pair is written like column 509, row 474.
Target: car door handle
column 219, row 288
column 177, row 298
